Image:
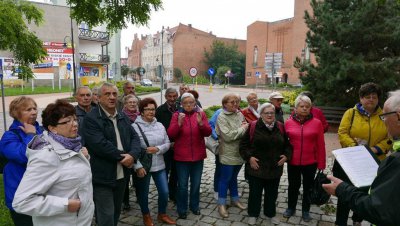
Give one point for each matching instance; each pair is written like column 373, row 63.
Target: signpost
column 273, row 62
column 193, row 73
column 258, row 75
column 2, row 94
column 211, row 72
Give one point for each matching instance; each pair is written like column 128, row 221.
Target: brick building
column 285, row 36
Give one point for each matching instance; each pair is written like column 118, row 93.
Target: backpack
column 253, row 129
column 4, row 160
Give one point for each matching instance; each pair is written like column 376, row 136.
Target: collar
column 108, row 114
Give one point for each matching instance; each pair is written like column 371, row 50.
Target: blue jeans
column 217, row 173
column 142, row 191
column 228, row 179
column 186, row 170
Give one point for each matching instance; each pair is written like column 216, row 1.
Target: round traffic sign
column 193, row 72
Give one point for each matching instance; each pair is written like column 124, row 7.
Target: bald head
column 391, row 112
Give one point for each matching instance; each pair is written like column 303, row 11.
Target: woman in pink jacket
column 306, row 134
column 188, row 128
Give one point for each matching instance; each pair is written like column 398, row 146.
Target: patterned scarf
column 132, row 115
column 73, row 144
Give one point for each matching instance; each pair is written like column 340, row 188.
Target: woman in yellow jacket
column 361, row 125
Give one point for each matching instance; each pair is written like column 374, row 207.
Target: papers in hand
column 358, row 163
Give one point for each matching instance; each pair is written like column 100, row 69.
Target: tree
column 178, row 75
column 354, row 42
column 115, row 14
column 229, row 56
column 140, row 71
column 220, row 74
column 16, row 37
column 124, row 71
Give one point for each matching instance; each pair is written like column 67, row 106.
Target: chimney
column 190, row 26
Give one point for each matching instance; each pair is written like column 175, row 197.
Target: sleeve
column 245, row 147
column 288, row 150
column 164, row 147
column 322, row 118
column 134, row 148
column 174, row 129
column 383, row 147
column 228, row 133
column 344, row 136
column 97, row 143
column 321, row 151
column 13, row 149
column 31, row 197
column 205, row 129
column 213, row 122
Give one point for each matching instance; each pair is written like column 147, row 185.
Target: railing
column 94, row 35
column 88, row 57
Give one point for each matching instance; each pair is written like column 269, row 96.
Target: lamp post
column 162, row 62
column 73, row 51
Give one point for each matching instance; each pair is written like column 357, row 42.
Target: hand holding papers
column 358, row 163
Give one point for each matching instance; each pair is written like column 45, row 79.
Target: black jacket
column 381, row 206
column 80, row 114
column 101, row 142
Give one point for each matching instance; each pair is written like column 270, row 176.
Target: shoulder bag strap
column 144, row 136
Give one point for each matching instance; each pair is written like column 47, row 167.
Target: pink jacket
column 189, row 138
column 318, row 114
column 308, row 142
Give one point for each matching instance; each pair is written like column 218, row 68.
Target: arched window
column 255, row 56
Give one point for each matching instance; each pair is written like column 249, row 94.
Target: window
column 255, row 56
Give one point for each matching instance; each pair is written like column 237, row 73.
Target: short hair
column 55, row 111
column 170, row 90
column 187, row 95
column 301, row 98
column 309, row 94
column 265, row 105
column 95, row 90
column 127, row 97
column 369, row 88
column 393, row 101
column 18, row 104
column 145, row 102
column 251, row 94
column 106, row 84
column 127, row 83
column 194, row 93
column 82, row 87
column 229, row 96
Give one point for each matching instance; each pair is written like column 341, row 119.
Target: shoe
column 196, row 212
column 182, row 216
column 306, row 216
column 164, row 218
column 222, row 211
column 216, row 195
column 288, row 213
column 147, row 220
column 239, row 205
column 126, row 206
column 275, row 220
column 252, row 221
column 355, row 223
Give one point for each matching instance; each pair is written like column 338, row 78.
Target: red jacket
column 308, row 142
column 248, row 115
column 318, row 114
column 189, row 138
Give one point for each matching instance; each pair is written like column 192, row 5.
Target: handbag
column 318, row 195
column 212, row 144
column 145, row 159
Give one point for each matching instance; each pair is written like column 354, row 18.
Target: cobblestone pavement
column 322, row 215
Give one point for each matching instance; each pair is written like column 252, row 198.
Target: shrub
column 200, row 79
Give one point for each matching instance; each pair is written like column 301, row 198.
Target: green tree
column 178, row 76
column 226, row 55
column 115, row 14
column 354, row 42
column 124, row 71
column 16, row 37
column 220, row 74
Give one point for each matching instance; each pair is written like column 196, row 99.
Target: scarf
column 254, row 111
column 73, row 144
column 270, row 127
column 131, row 115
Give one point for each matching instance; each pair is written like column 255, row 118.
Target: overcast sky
column 225, row 18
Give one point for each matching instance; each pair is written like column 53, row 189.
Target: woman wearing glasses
column 56, row 188
column 231, row 126
column 265, row 151
column 361, row 125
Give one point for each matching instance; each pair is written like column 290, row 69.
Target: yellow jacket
column 371, row 129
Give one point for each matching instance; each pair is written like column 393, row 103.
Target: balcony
column 92, row 35
column 94, row 58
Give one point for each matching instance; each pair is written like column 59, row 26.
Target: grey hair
column 170, row 90
column 106, row 84
column 126, row 83
column 393, row 102
column 95, row 90
column 265, row 105
column 251, row 94
column 186, row 95
column 82, row 87
column 127, row 97
column 303, row 98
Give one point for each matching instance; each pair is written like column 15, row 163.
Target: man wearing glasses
column 380, row 205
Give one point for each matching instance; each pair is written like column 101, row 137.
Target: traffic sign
column 211, row 71
column 193, row 72
column 81, row 72
column 258, row 74
column 68, row 66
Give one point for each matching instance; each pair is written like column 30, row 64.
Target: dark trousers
column 294, row 176
column 217, row 173
column 126, row 193
column 108, row 201
column 170, row 170
column 256, row 186
column 21, row 219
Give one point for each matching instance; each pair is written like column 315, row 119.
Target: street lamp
column 162, row 61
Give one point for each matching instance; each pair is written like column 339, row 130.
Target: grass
column 5, row 218
column 38, row 90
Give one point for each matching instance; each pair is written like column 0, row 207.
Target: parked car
column 146, row 82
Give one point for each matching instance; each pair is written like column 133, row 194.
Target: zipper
column 369, row 131
column 301, row 145
column 191, row 136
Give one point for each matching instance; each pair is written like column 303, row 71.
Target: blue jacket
column 13, row 147
column 213, row 123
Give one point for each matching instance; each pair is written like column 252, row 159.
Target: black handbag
column 318, row 195
column 145, row 159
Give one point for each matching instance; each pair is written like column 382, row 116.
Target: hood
column 140, row 121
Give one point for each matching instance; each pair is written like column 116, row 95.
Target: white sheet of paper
column 358, row 163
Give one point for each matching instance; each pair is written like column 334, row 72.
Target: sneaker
column 306, row 216
column 288, row 213
column 216, row 195
column 252, row 221
column 275, row 220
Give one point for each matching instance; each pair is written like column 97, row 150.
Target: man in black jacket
column 83, row 96
column 380, row 206
column 113, row 145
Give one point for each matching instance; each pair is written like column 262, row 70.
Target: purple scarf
column 73, row 144
column 131, row 115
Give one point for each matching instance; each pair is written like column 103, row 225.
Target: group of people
column 79, row 163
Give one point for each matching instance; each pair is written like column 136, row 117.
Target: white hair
column 303, row 98
column 186, row 95
column 393, row 102
column 265, row 105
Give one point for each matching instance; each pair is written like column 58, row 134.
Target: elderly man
column 113, row 145
column 128, row 88
column 83, row 96
column 276, row 99
column 380, row 206
column 250, row 113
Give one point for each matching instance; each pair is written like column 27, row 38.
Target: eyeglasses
column 268, row 113
column 187, row 103
column 149, row 109
column 383, row 116
column 85, row 94
column 233, row 102
column 70, row 121
column 131, row 102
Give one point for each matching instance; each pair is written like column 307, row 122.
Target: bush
column 290, row 96
column 200, row 79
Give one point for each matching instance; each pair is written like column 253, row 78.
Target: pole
column 210, row 84
column 73, row 52
column 273, row 71
column 162, row 62
column 3, row 100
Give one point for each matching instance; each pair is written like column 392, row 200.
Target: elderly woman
column 188, row 128
column 251, row 112
column 13, row 148
column 361, row 125
column 306, row 134
column 56, row 188
column 153, row 140
column 265, row 148
column 231, row 126
column 95, row 95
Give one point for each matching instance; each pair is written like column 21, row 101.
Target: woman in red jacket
column 306, row 134
column 188, row 128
